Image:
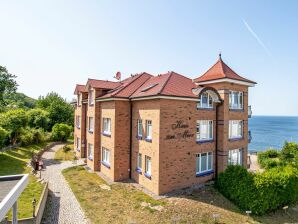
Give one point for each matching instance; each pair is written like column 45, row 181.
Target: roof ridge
column 103, row 80
column 165, row 83
column 128, row 84
column 208, row 69
column 140, row 85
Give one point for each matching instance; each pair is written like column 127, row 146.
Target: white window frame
column 79, row 99
column 235, row 161
column 238, row 105
column 209, row 156
column 199, row 135
column 148, row 168
column 139, row 128
column 139, row 162
column 239, row 129
column 78, row 121
column 106, row 156
column 90, row 127
column 90, row 151
column 209, row 104
column 149, row 132
column 78, row 143
column 91, row 96
column 106, row 127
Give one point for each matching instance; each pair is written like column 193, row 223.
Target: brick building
column 165, row 132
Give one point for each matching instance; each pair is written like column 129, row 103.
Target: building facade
column 165, row 132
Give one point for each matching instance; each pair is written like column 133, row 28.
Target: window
column 79, row 99
column 205, row 101
column 140, row 128
column 91, row 124
column 139, row 165
column 148, row 129
column 204, row 130
column 235, row 129
column 236, row 100
column 91, row 97
column 78, row 143
column 106, row 156
column 107, row 126
column 235, row 157
column 204, row 162
column 90, row 151
column 148, row 166
column 78, row 121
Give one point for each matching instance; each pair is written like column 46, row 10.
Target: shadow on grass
column 11, row 166
column 52, row 209
column 209, row 195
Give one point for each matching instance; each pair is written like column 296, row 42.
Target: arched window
column 205, row 101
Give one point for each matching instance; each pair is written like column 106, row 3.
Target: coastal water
column 272, row 131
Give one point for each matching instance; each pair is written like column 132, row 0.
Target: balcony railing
column 249, row 112
column 249, row 136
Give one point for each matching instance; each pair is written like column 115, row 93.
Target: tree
column 14, row 121
column 3, row 137
column 8, row 84
column 289, row 153
column 61, row 132
column 59, row 110
column 38, row 118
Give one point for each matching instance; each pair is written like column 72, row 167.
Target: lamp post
column 34, row 205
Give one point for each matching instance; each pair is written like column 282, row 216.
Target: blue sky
column 52, row 45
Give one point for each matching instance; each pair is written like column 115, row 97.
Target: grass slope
column 15, row 162
column 122, row 204
column 60, row 155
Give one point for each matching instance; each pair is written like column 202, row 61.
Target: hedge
column 262, row 192
column 269, row 158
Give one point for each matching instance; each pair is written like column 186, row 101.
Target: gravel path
column 62, row 206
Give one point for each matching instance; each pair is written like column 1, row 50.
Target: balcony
column 249, row 136
column 249, row 112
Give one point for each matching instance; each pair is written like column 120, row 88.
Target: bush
column 289, row 154
column 262, row 192
column 32, row 136
column 61, row 132
column 4, row 137
column 268, row 158
column 38, row 118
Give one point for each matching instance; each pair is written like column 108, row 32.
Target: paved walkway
column 62, row 206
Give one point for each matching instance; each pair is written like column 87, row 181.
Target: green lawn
column 60, row 155
column 15, row 162
column 125, row 204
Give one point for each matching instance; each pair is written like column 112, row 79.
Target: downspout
column 130, row 143
column 216, row 142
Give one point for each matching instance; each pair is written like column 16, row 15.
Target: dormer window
column 236, row 100
column 91, row 97
column 205, row 101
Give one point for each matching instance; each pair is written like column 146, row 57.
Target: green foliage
column 14, row 121
column 262, row 192
column 3, row 137
column 7, row 84
column 289, row 153
column 38, row 118
column 18, row 101
column 30, row 136
column 269, row 158
column 61, row 132
column 59, row 110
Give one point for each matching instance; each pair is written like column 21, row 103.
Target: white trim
column 165, row 97
column 13, row 195
column 228, row 80
column 111, row 98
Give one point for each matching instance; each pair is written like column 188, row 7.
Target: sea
column 272, row 131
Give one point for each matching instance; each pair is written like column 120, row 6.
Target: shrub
column 32, row 136
column 268, row 158
column 289, row 153
column 61, row 132
column 4, row 137
column 38, row 118
column 261, row 192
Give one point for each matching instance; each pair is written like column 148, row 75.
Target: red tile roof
column 128, row 86
column 169, row 84
column 221, row 70
column 79, row 89
column 101, row 84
